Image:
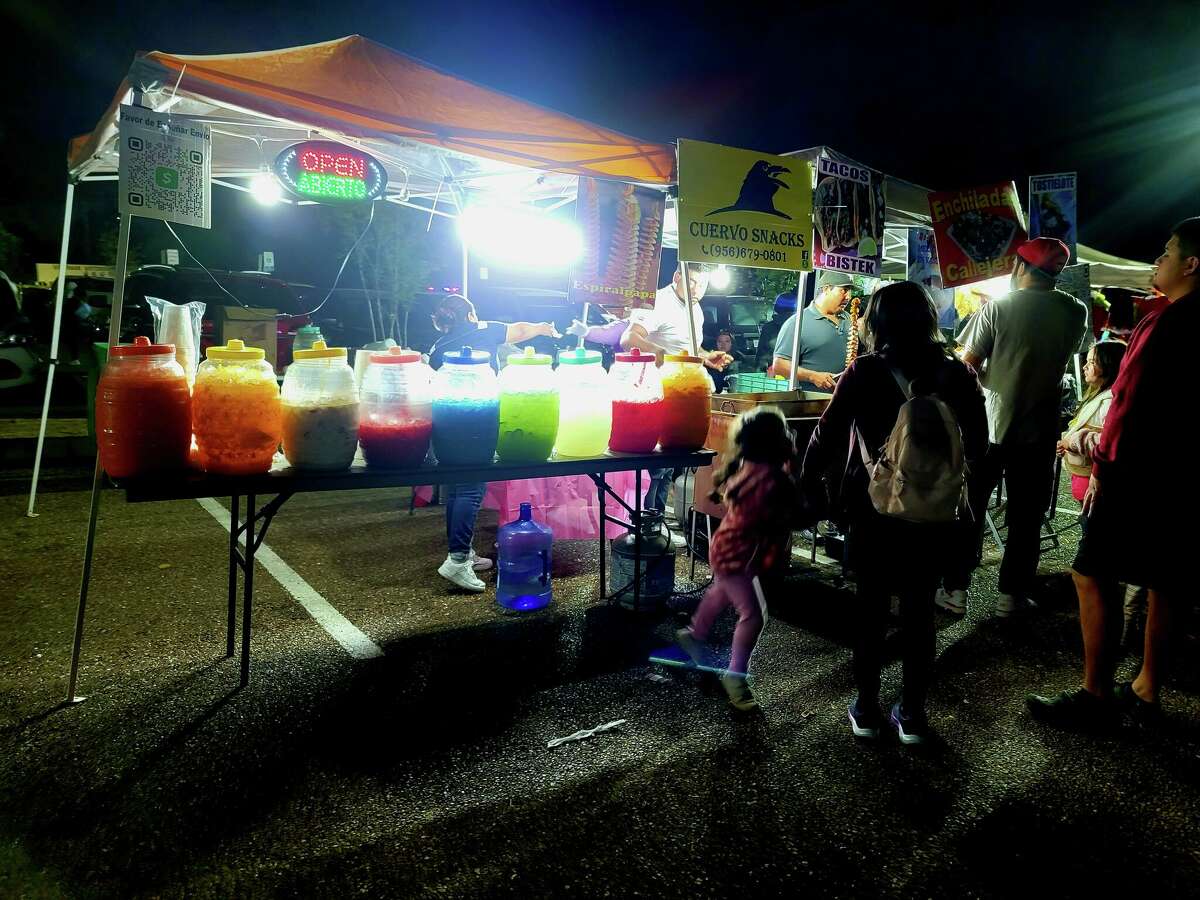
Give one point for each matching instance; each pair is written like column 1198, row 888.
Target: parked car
column 256, row 290
column 741, row 315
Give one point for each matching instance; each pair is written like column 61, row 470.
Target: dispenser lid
column 236, row 349
column 308, row 329
column 467, row 357
column 577, row 357
column 396, row 355
column 681, row 358
column 320, row 351
column 141, row 346
column 635, row 356
column 529, row 358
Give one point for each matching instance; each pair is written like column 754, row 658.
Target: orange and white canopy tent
column 443, row 140
column 440, row 137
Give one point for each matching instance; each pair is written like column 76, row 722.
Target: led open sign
column 330, row 173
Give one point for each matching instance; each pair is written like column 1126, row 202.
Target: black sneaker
column 865, row 720
column 1079, row 710
column 1133, row 706
column 910, row 728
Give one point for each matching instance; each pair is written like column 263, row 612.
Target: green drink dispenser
column 528, row 409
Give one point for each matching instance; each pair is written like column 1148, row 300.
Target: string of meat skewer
column 852, row 343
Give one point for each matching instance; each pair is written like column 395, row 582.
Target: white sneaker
column 1006, row 605
column 953, row 601
column 461, row 575
column 479, row 563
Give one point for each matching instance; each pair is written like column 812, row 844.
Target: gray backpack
column 921, row 471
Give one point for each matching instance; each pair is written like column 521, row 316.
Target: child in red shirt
column 751, row 542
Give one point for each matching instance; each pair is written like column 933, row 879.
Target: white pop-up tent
column 1114, row 271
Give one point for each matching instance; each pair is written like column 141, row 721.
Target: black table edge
column 194, row 486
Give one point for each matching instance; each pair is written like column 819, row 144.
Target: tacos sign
column 744, row 208
column 977, row 232
column 848, row 214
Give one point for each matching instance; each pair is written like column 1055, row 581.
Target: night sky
column 1108, row 90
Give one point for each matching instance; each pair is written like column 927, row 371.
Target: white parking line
column 338, row 626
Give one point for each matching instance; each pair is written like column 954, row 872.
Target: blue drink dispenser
column 523, row 580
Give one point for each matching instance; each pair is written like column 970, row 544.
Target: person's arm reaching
column 526, row 331
column 830, row 437
column 636, row 336
column 979, row 338
column 782, row 368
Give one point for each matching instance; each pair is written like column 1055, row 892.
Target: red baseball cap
column 1048, row 255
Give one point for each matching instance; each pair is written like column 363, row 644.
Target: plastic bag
column 179, row 324
column 363, row 357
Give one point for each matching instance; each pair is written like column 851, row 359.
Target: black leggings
column 891, row 557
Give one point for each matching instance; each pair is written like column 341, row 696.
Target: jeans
column 660, row 487
column 1028, row 473
column 462, row 506
column 894, row 557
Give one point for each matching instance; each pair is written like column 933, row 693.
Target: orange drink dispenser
column 687, row 390
column 143, row 411
column 236, row 413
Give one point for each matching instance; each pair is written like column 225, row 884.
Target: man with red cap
column 1021, row 344
column 1131, row 492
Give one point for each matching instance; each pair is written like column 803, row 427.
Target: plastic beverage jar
column 396, row 416
column 466, row 409
column 320, row 410
column 143, row 411
column 528, row 409
column 236, row 414
column 523, row 570
column 687, row 390
column 637, row 400
column 585, row 404
column 306, row 337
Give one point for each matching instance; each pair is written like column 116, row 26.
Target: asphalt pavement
column 424, row 772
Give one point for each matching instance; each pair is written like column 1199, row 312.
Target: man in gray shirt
column 1021, row 344
column 823, row 337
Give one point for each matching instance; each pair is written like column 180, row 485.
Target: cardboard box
column 253, row 327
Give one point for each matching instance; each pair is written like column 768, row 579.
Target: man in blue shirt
column 823, row 337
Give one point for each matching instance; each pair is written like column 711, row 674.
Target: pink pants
column 743, row 593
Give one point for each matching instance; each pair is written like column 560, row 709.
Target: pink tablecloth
column 567, row 503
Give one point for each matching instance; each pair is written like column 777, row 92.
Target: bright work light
column 520, row 237
column 265, row 189
column 720, row 278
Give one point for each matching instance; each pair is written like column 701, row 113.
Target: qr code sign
column 165, row 167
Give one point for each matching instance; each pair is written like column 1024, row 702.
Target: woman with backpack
column 908, row 418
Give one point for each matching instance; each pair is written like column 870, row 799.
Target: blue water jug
column 523, row 579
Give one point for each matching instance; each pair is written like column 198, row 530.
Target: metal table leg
column 637, row 541
column 248, row 587
column 600, row 490
column 234, row 560
column 252, row 533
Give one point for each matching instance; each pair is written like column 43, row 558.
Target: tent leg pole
column 84, row 583
column 114, row 333
column 54, row 338
column 466, row 269
column 800, row 288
